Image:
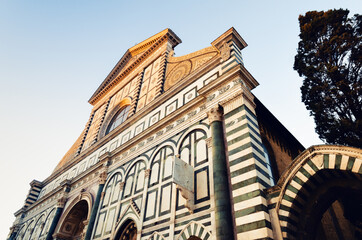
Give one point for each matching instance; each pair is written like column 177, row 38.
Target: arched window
column 107, row 215
column 119, row 118
column 48, row 222
column 37, row 229
column 193, row 150
column 135, row 179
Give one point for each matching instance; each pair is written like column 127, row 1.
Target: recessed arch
column 73, row 224
column 183, row 135
column 129, row 219
column 316, row 179
column 112, row 113
column 38, row 227
column 156, row 236
column 194, row 231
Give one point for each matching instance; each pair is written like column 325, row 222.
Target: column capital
column 216, row 114
column 61, row 202
column 121, row 186
column 147, row 173
column 102, row 178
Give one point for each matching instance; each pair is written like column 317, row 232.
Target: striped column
column 58, row 213
column 248, row 169
column 223, row 210
column 102, row 180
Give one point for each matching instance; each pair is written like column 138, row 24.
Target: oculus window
column 119, row 118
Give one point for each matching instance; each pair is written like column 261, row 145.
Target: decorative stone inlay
column 192, row 113
column 169, row 127
column 224, row 89
column 216, row 114
column 225, row 51
column 147, row 173
column 210, row 98
column 181, row 120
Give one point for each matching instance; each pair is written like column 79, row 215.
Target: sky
column 54, row 54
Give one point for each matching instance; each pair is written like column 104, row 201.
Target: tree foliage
column 329, row 58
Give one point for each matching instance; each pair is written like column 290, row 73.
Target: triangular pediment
column 132, row 58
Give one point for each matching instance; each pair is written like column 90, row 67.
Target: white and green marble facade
column 132, row 166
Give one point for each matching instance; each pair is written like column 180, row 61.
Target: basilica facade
column 180, row 148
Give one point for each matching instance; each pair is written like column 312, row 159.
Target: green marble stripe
column 235, row 111
column 272, row 206
column 207, row 236
column 253, row 226
column 288, row 198
column 304, row 172
column 360, row 169
column 235, row 130
column 195, row 229
column 254, row 131
column 239, row 149
column 239, row 138
column 350, row 163
column 249, row 169
column 201, row 232
column 227, row 66
column 250, row 210
column 195, row 211
column 288, row 220
column 289, row 231
column 326, row 160
column 189, row 230
column 298, row 180
column 313, row 166
column 274, row 194
column 192, row 219
column 249, row 195
column 292, row 211
column 249, row 182
column 338, row 161
column 155, row 223
column 293, row 189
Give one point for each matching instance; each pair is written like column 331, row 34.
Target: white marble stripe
column 332, row 161
column 254, row 217
column 356, row 165
column 344, row 162
column 246, row 189
column 256, row 234
column 250, row 203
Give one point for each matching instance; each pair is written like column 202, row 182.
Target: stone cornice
column 230, row 34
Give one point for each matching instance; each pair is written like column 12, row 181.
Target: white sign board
column 183, row 174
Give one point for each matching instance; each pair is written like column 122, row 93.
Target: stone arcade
column 179, row 148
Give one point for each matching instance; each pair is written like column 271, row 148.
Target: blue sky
column 54, row 54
